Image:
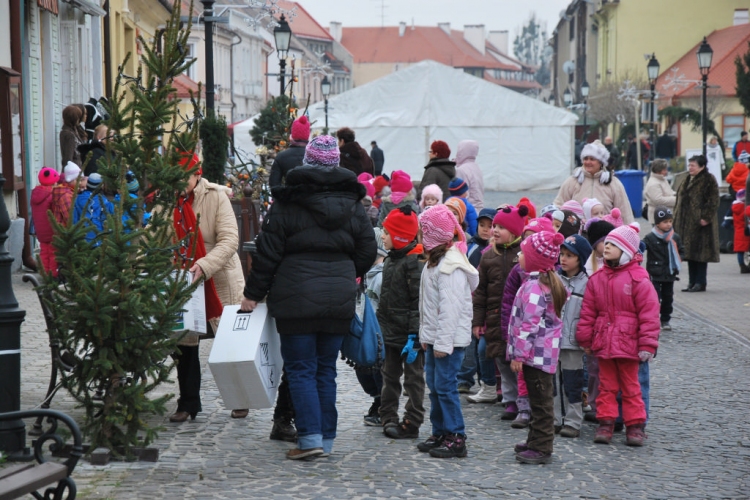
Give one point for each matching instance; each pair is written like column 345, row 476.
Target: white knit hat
column 71, row 172
column 588, row 206
column 596, row 150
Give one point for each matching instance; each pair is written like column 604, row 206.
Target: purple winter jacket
column 512, row 284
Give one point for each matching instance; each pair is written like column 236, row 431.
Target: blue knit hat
column 133, row 184
column 458, row 186
column 579, row 246
column 94, row 181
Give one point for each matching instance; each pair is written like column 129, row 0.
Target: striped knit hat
column 614, row 217
column 458, row 186
column 574, row 207
column 323, row 151
column 626, row 239
column 439, row 225
column 541, row 251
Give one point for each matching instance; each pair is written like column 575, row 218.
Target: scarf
column 185, row 223
column 397, row 197
column 674, row 254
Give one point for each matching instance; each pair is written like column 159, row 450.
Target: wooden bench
column 27, row 478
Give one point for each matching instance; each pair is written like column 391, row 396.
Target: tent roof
column 430, row 94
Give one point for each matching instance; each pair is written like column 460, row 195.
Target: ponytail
column 557, row 289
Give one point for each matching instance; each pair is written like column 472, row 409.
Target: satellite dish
column 568, row 67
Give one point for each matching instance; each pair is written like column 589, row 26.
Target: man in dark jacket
column 665, row 147
column 439, row 170
column 98, row 149
column 614, row 153
column 293, row 155
column 316, row 239
column 353, row 156
column 378, row 158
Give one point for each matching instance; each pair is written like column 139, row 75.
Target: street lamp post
column 653, row 74
column 282, row 35
column 567, row 98
column 585, row 94
column 705, row 53
column 325, row 89
column 208, row 23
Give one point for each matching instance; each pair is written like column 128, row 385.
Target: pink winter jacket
column 620, row 313
column 468, row 170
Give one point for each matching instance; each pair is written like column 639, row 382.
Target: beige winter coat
column 611, row 195
column 219, row 229
column 658, row 192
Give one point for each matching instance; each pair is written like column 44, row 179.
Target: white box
column 193, row 317
column 245, row 359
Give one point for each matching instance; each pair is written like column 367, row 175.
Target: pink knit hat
column 626, row 239
column 588, row 206
column 439, row 225
column 369, row 188
column 401, row 182
column 614, row 217
column 365, row 177
column 301, row 129
column 541, row 251
column 512, row 219
column 539, row 224
column 432, row 190
column 322, row 151
column 574, row 207
column 50, row 177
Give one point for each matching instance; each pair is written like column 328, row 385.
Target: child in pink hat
column 402, row 194
column 41, row 202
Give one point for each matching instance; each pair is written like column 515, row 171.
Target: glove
column 645, row 356
column 411, row 349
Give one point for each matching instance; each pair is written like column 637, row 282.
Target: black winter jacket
column 315, row 240
column 97, row 150
column 657, row 253
column 285, row 161
column 398, row 309
column 438, row 171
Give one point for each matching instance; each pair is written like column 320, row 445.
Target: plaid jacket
column 534, row 331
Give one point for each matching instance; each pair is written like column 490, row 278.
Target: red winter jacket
column 41, row 202
column 620, row 313
column 741, row 242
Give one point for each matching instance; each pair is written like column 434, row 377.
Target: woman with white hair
column 594, row 180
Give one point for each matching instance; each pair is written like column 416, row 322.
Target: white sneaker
column 487, row 394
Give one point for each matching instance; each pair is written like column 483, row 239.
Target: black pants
column 542, row 426
column 188, row 378
column 665, row 291
column 697, row 272
column 284, row 407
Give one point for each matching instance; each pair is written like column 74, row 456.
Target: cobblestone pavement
column 698, row 446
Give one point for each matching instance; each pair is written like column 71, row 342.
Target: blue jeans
column 310, row 364
column 486, row 365
column 469, row 366
column 441, row 373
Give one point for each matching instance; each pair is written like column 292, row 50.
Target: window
column 732, row 125
column 189, row 54
column 572, row 26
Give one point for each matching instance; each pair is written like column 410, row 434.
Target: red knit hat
column 511, row 218
column 379, row 183
column 530, row 206
column 301, row 129
column 541, row 251
column 401, row 182
column 402, row 224
column 189, row 162
column 441, row 149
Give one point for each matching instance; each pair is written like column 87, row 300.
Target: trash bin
column 633, row 182
column 726, row 231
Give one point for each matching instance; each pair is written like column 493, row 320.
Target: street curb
column 742, row 339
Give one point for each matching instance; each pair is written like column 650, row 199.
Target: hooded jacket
column 398, row 312
column 315, row 240
column 468, row 170
column 445, row 302
column 571, row 312
column 620, row 313
column 658, row 192
column 438, row 171
column 584, row 185
column 41, row 202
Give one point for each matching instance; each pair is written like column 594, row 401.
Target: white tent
column 523, row 143
column 243, row 143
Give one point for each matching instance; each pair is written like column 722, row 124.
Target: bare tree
column 604, row 104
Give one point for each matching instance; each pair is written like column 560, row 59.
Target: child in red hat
column 41, row 202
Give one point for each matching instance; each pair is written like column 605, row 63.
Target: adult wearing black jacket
column 292, row 156
column 316, row 239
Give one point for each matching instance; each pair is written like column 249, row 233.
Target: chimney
column 335, row 30
column 475, row 36
column 740, row 17
column 499, row 39
column 446, row 27
column 401, row 28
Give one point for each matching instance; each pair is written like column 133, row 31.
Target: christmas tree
column 121, row 295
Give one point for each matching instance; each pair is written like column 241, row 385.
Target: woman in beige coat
column 658, row 191
column 221, row 263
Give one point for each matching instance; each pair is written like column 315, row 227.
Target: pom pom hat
column 439, row 225
column 301, row 129
column 48, row 177
column 401, row 223
column 458, row 186
column 380, row 182
column 401, row 182
column 512, row 219
column 626, row 239
column 441, row 149
column 597, row 151
column 541, row 251
column 323, row 151
column 529, row 205
column 614, row 217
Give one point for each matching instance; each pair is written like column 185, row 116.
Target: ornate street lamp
column 705, row 53
column 653, row 74
column 325, row 89
column 282, row 35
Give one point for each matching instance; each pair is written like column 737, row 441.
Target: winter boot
column 404, row 430
column 431, row 443
column 604, row 432
column 533, row 457
column 373, row 416
column 283, row 430
column 510, row 413
column 522, row 420
column 635, row 435
column 454, row 445
column 487, row 394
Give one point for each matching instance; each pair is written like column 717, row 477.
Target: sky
column 494, row 14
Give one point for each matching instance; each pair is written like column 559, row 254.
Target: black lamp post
column 13, row 433
column 585, row 94
column 282, row 35
column 325, row 89
column 208, row 23
column 653, row 74
column 705, row 53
